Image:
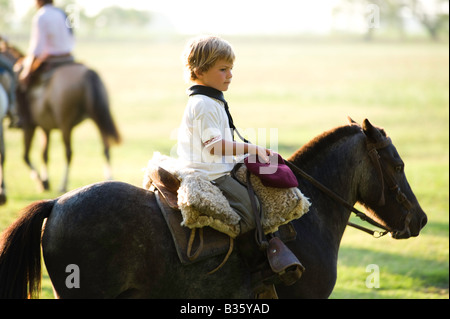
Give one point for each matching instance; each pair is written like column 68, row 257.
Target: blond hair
column 203, row 52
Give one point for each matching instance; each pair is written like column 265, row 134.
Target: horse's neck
column 337, row 166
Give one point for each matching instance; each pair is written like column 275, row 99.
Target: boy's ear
column 198, row 73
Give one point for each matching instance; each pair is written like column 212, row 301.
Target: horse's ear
column 351, row 122
column 371, row 131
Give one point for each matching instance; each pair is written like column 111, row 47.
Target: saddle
column 210, row 242
column 42, row 70
column 188, row 249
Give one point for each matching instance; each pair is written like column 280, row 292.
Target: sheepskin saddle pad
column 202, row 203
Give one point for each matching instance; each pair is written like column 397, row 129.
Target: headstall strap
column 401, row 198
column 393, row 186
column 379, row 145
column 372, row 149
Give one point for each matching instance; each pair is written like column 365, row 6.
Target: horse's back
column 69, row 73
column 105, row 231
column 60, row 97
column 67, row 85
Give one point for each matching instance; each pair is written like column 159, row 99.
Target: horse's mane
column 310, row 150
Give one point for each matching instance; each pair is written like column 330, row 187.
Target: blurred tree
column 109, row 20
column 433, row 15
column 391, row 13
column 368, row 16
column 6, row 12
column 118, row 17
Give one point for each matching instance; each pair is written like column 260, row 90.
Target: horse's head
column 384, row 189
column 12, row 54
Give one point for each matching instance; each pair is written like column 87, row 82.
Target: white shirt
column 204, row 123
column 49, row 33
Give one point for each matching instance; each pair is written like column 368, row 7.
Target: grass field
column 300, row 88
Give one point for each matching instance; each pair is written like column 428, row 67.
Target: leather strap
column 337, row 198
column 260, row 238
column 195, row 255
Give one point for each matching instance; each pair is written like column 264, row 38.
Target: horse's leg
column 107, row 172
column 44, row 168
column 3, row 110
column 2, row 161
column 97, row 107
column 66, row 134
column 28, row 138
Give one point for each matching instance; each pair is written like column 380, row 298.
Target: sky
column 230, row 17
column 236, row 16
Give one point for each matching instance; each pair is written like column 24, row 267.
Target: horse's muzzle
column 412, row 228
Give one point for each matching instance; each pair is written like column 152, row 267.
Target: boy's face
column 218, row 76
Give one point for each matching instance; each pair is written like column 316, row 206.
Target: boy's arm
column 229, row 148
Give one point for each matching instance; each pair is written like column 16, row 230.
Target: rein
column 342, row 201
column 400, row 196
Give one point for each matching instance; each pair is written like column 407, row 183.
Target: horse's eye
column 399, row 168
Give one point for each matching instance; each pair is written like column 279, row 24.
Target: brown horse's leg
column 107, row 169
column 28, row 138
column 44, row 169
column 66, row 134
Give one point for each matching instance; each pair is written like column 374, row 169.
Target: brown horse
column 109, row 240
column 73, row 93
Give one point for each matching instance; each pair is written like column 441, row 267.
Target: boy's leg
column 237, row 196
column 239, row 200
column 256, row 259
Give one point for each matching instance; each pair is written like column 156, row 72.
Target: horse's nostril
column 423, row 222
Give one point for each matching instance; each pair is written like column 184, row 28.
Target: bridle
column 383, row 175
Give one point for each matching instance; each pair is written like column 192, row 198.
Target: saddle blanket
column 203, row 204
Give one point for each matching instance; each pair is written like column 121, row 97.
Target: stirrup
column 283, row 262
column 265, row 291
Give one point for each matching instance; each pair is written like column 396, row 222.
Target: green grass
column 301, row 88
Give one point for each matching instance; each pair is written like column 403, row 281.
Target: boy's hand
column 264, row 154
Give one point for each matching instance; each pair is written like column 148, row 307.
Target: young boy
column 206, row 144
column 205, row 139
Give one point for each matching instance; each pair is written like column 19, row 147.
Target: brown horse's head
column 10, row 52
column 385, row 191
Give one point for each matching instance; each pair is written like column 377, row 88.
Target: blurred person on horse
column 8, row 81
column 50, row 46
column 51, row 41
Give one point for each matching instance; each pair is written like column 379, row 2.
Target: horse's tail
column 98, row 107
column 20, row 253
